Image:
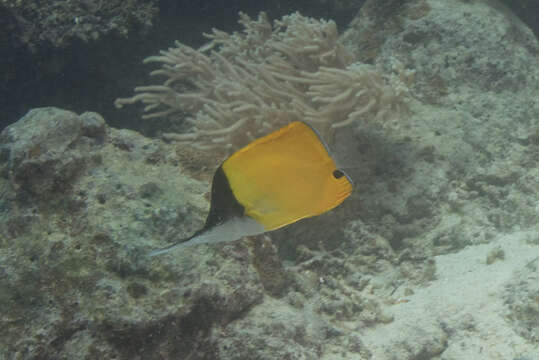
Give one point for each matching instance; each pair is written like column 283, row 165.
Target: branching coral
column 243, row 85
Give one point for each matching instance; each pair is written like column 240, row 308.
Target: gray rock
column 41, row 153
column 522, row 300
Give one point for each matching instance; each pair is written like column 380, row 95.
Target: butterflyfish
column 274, row 181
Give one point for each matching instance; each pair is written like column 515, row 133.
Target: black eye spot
column 337, row 174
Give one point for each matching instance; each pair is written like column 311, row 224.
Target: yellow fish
column 274, row 181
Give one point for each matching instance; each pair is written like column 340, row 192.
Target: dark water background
column 89, row 75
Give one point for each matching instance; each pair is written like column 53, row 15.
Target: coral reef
column 400, row 271
column 80, row 198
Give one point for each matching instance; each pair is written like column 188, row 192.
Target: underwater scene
column 270, row 180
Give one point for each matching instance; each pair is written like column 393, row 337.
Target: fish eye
column 337, row 174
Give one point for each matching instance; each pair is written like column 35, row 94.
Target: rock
column 522, row 301
column 47, row 149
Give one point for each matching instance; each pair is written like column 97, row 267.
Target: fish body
column 274, row 181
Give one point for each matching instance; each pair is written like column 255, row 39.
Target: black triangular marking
column 224, row 204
